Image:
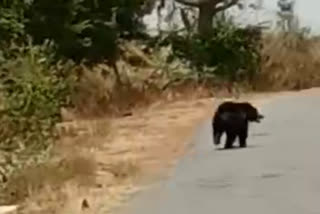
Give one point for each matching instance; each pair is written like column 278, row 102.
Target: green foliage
column 82, row 29
column 33, row 91
column 11, row 20
column 230, row 52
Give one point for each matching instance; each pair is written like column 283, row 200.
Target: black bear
column 233, row 118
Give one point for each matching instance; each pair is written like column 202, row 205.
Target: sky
column 307, row 11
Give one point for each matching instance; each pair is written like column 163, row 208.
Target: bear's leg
column 243, row 140
column 243, row 137
column 217, row 130
column 217, row 136
column 230, row 140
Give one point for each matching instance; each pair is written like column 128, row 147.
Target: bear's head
column 251, row 112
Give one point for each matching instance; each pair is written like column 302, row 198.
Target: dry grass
column 33, row 180
column 290, row 62
column 96, row 96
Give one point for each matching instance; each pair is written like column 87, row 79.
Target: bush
column 32, row 93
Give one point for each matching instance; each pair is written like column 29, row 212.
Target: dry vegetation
column 291, row 62
column 117, row 136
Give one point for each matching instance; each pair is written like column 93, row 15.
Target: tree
column 84, row 29
column 207, row 10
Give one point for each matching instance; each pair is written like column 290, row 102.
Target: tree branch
column 190, row 3
column 226, row 6
column 198, row 3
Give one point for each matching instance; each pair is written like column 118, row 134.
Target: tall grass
column 290, row 62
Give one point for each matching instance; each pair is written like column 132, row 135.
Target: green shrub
column 32, row 92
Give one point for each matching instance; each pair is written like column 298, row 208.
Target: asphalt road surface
column 279, row 172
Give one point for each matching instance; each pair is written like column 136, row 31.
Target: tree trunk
column 205, row 22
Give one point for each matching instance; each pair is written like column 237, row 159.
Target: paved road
column 278, row 173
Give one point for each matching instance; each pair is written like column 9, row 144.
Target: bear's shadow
column 237, row 148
